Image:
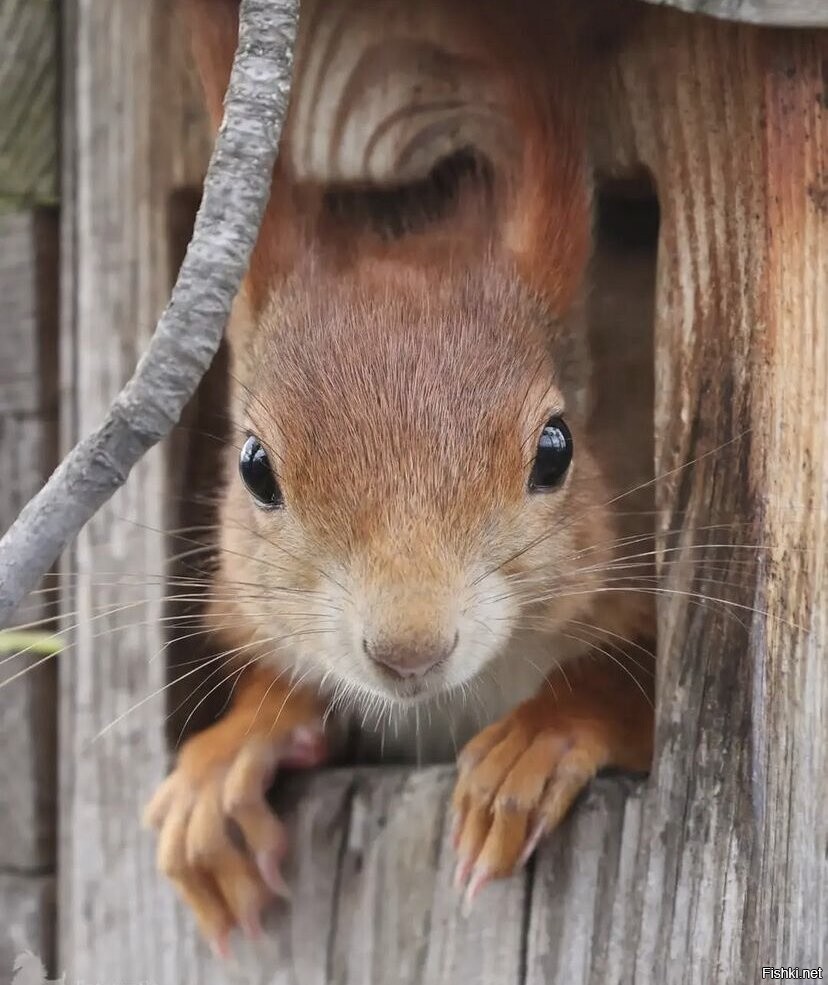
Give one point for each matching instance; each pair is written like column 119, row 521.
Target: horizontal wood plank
column 778, row 13
column 371, row 871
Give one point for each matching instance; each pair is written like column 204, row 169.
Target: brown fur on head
column 400, row 390
column 400, row 409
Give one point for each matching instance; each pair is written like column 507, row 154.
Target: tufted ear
column 548, row 212
column 213, row 27
column 386, row 90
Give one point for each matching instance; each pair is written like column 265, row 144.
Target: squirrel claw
column 479, row 878
column 219, row 841
column 220, row 946
column 517, row 779
column 461, row 873
column 269, row 865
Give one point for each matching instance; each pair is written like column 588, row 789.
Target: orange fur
column 519, row 776
column 399, row 387
column 220, row 781
column 545, row 216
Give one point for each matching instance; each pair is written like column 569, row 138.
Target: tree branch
column 189, row 332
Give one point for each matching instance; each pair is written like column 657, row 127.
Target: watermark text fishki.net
column 771, row 973
column 29, row 970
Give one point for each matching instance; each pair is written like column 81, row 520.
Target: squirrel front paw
column 519, row 777
column 515, row 784
column 219, row 842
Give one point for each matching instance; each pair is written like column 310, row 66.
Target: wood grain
column 382, row 92
column 373, row 902
column 717, row 865
column 28, row 908
column 28, row 103
column 118, row 923
column 28, row 350
column 732, row 123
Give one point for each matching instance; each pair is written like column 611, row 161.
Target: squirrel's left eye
column 552, row 457
column 257, row 474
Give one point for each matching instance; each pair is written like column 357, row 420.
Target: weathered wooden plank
column 28, row 280
column 781, row 13
column 118, row 921
column 27, row 904
column 487, row 943
column 583, row 893
column 731, row 864
column 28, row 343
column 295, row 949
column 386, row 880
column 398, row 917
column 28, row 103
column 372, row 901
column 317, row 812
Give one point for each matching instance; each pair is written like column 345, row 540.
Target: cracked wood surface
column 717, row 865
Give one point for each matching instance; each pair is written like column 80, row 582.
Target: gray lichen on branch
column 189, row 332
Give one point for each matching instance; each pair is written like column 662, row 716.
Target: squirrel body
column 425, row 535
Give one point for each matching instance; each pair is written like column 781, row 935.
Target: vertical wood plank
column 119, row 920
column 790, row 468
column 387, row 878
column 733, row 123
column 584, row 885
column 28, row 350
column 28, row 425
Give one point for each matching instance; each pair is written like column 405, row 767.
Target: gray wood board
column 779, row 13
column 117, row 921
column 371, row 870
column 28, row 342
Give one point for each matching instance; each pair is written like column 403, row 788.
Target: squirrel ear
column 540, row 52
column 213, row 27
column 384, row 95
column 548, row 213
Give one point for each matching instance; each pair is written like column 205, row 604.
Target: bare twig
column 189, row 332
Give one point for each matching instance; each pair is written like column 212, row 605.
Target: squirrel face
column 408, row 483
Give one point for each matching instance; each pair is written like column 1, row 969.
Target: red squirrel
column 416, row 514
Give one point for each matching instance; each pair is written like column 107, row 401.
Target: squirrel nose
column 409, row 659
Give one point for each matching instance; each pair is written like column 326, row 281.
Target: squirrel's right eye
column 553, row 456
column 257, row 474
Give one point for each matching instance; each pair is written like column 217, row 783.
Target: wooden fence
column 714, row 867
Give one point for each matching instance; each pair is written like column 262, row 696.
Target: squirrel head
column 414, row 471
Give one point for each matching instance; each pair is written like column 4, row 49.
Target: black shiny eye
column 254, row 466
column 552, row 457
